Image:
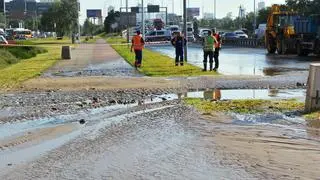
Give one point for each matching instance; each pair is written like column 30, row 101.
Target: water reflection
column 246, row 61
column 212, row 95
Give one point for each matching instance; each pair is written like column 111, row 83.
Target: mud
column 168, row 140
column 93, row 60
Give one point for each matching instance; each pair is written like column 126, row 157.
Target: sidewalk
column 97, row 59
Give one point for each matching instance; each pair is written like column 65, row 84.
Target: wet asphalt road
column 246, row 61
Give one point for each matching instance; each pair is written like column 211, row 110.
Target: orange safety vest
column 218, row 44
column 137, row 42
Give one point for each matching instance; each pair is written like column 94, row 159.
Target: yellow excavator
column 280, row 34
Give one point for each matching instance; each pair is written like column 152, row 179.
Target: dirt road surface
column 131, row 129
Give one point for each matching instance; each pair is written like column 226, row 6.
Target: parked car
column 175, row 33
column 204, row 32
column 260, row 32
column 190, row 35
column 229, row 35
column 158, row 35
column 241, row 34
column 173, row 28
column 3, row 40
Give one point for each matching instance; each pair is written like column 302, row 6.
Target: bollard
column 313, row 91
column 65, row 52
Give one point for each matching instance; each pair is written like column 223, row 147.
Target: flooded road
column 247, row 61
column 161, row 139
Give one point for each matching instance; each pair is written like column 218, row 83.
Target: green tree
column 196, row 26
column 110, row 20
column 262, row 16
column 62, row 17
column 304, row 7
column 2, row 21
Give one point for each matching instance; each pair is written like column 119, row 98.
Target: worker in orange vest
column 137, row 46
column 217, row 48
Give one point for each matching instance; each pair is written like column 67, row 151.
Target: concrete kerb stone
column 313, row 90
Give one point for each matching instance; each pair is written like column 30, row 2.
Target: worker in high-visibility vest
column 137, row 46
column 208, row 49
column 217, row 47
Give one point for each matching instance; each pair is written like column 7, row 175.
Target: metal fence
column 248, row 42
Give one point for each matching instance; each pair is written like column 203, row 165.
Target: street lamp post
column 79, row 27
column 255, row 16
column 185, row 28
column 142, row 19
column 127, row 22
column 215, row 9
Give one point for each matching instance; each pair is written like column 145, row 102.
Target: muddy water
column 165, row 141
column 247, row 61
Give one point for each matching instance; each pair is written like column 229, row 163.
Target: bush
column 6, row 58
column 25, row 52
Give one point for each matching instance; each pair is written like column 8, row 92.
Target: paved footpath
column 97, row 59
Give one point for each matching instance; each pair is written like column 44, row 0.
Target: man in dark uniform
column 179, row 42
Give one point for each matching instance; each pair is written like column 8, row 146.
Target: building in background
column 208, row 16
column 261, row 5
column 20, row 9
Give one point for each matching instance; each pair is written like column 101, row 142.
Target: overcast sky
column 223, row 6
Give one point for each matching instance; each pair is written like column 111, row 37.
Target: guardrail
column 245, row 42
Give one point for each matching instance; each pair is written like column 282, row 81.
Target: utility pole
column 127, row 22
column 255, row 16
column 142, row 20
column 185, row 29
column 215, row 9
column 79, row 27
column 4, row 14
column 172, row 6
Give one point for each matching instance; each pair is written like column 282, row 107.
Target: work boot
column 211, row 66
column 177, row 64
column 181, row 64
column 204, row 67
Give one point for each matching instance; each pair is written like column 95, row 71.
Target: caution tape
column 59, row 46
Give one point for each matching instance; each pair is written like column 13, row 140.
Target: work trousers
column 179, row 56
column 138, row 57
column 216, row 58
column 205, row 56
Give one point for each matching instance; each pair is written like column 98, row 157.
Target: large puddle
column 246, row 61
column 268, row 94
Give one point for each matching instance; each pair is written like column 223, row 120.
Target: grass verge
column 245, row 106
column 6, row 58
column 13, row 75
column 154, row 63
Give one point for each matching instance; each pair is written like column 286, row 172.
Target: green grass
column 33, row 60
column 115, row 40
column 245, row 106
column 25, row 52
column 154, row 63
column 7, row 59
column 12, row 76
column 46, row 41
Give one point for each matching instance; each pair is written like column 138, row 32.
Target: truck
column 158, row 24
column 308, row 32
column 288, row 32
